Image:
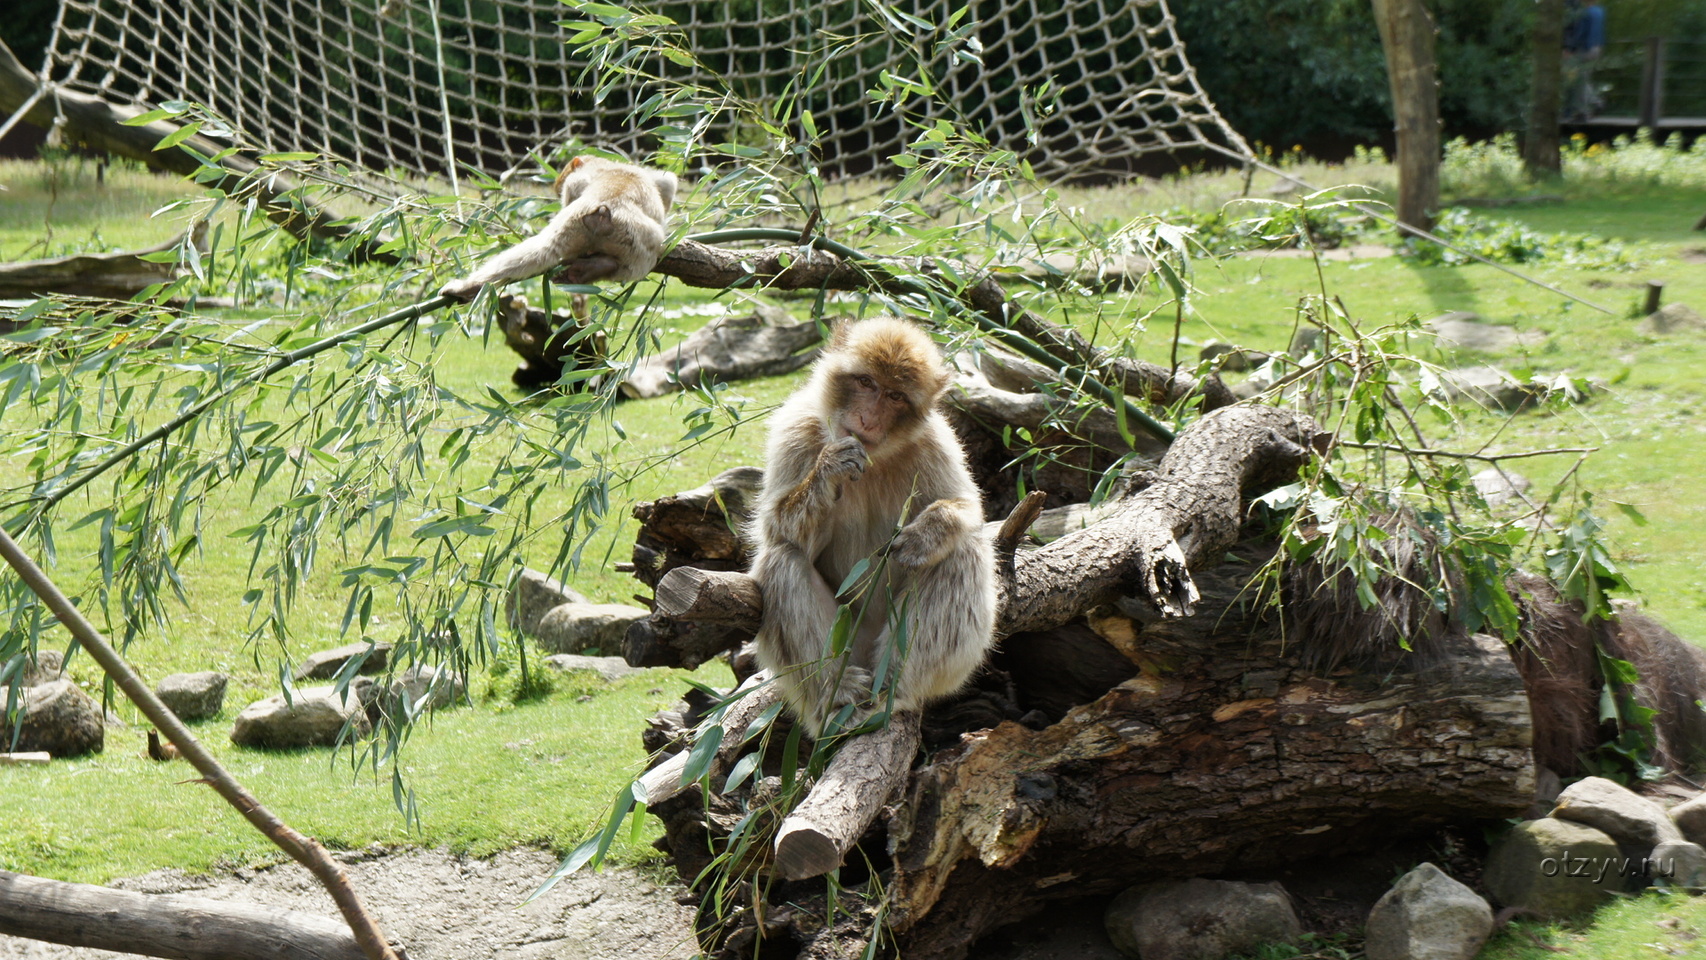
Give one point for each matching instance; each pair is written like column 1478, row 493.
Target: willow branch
column 304, row 850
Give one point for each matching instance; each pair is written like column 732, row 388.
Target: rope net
column 431, row 88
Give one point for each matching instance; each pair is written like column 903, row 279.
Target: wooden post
column 1652, row 83
column 1540, row 156
column 1407, row 35
column 1655, row 292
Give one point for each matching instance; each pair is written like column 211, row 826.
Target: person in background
column 1584, row 41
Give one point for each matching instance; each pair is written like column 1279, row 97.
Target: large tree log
column 1224, row 753
column 165, row 925
column 115, row 276
column 727, row 349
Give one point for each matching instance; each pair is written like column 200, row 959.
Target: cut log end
column 803, row 852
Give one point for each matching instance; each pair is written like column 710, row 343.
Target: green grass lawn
column 497, row 773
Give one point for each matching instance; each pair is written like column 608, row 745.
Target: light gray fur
column 826, row 506
column 613, row 215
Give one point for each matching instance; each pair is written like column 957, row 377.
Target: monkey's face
column 873, row 410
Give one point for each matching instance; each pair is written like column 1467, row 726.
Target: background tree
column 1407, row 35
column 1540, row 145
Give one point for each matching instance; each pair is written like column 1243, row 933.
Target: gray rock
column 1428, row 916
column 445, row 686
column 326, row 664
column 193, row 696
column 47, row 667
column 1671, row 318
column 1678, row 863
column 1690, row 818
column 1487, row 387
column 1237, row 359
column 1465, row 331
column 1496, row 487
column 533, row 596
column 1616, row 810
column 578, row 627
column 1200, row 919
column 611, row 669
column 58, row 718
column 312, row 718
column 1308, row 340
column 1555, row 868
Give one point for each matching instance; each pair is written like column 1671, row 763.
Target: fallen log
column 112, row 276
column 166, row 925
column 724, row 350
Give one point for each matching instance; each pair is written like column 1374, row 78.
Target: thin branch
column 304, row 850
column 290, row 359
column 1486, row 457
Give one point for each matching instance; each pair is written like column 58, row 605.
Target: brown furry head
column 904, row 354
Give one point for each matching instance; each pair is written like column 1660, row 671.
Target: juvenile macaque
column 860, row 465
column 610, row 228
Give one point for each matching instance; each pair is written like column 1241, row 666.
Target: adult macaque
column 860, row 465
column 610, row 228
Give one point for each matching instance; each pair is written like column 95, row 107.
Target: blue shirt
column 1587, row 30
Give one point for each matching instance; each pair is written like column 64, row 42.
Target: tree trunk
column 1407, row 35
column 165, row 925
column 1540, row 153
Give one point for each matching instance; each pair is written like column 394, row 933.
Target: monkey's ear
column 840, row 331
column 576, row 163
column 665, row 182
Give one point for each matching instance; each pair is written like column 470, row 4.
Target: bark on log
column 1223, row 753
column 165, row 925
column 732, row 348
column 113, row 276
column 548, row 344
column 862, row 776
column 101, row 126
column 751, row 699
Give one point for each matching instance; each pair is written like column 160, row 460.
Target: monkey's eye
column 897, row 396
column 864, row 381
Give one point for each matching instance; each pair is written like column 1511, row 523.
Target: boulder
column 611, row 669
column 1690, row 818
column 1555, row 868
column 1500, row 486
column 1463, row 330
column 193, row 696
column 1200, row 919
column 445, row 686
column 56, row 717
column 1671, row 318
column 533, row 596
column 313, row 717
column 1487, row 387
column 326, row 664
column 1678, row 863
column 47, row 667
column 578, row 627
column 1617, row 811
column 1428, row 916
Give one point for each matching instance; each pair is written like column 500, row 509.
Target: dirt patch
column 1693, row 255
column 445, row 907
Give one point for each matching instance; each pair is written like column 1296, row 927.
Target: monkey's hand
column 462, row 288
column 929, row 537
column 587, row 269
column 842, row 462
